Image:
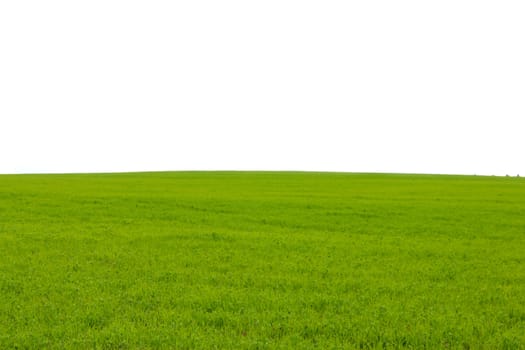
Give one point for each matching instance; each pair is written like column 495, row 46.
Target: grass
column 262, row 260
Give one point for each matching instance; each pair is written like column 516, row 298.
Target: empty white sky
column 367, row 86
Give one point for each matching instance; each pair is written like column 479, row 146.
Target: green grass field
column 262, row 260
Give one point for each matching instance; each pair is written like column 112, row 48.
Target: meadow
column 261, row 260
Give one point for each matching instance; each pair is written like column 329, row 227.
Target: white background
column 367, row 86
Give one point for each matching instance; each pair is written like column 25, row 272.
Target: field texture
column 262, row 260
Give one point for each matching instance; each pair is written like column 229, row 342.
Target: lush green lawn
column 261, row 260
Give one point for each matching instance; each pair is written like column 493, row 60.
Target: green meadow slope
column 262, row 260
